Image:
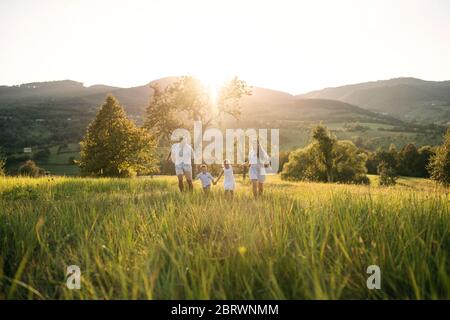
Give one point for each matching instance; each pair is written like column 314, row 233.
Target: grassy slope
column 60, row 164
column 141, row 239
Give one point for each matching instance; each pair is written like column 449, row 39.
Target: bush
column 439, row 166
column 343, row 163
column 30, row 169
column 303, row 165
column 284, row 158
column 388, row 176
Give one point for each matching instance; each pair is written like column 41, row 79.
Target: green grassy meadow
column 141, row 239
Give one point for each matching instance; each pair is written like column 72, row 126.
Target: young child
column 228, row 182
column 205, row 177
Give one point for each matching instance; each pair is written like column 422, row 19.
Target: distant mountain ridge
column 410, row 99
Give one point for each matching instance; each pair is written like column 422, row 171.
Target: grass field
column 142, row 239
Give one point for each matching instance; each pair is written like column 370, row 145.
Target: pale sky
column 294, row 46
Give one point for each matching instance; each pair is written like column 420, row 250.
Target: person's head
column 204, row 168
column 226, row 163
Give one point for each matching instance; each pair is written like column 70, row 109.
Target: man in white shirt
column 182, row 155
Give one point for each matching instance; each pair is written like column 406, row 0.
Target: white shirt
column 206, row 178
column 181, row 154
column 253, row 156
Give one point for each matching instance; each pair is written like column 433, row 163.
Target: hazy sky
column 295, row 46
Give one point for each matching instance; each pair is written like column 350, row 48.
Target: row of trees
column 328, row 160
column 426, row 162
column 409, row 161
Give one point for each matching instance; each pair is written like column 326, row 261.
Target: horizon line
column 261, row 87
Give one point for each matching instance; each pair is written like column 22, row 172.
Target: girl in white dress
column 228, row 182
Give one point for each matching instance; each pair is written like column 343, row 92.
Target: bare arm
column 192, row 161
column 218, row 178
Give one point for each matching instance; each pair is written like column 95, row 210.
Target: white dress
column 257, row 170
column 228, row 181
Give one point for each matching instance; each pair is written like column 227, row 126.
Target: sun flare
column 213, row 80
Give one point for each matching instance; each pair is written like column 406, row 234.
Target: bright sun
column 213, row 83
column 213, row 79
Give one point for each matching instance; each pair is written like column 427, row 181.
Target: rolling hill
column 42, row 99
column 410, row 99
column 74, row 94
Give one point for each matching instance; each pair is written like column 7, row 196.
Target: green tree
column 387, row 174
column 325, row 144
column 390, row 157
column 349, row 163
column 114, row 147
column 439, row 166
column 408, row 161
column 304, row 165
column 345, row 162
column 161, row 117
column 425, row 154
column 188, row 100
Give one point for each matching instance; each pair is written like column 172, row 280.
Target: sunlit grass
column 142, row 239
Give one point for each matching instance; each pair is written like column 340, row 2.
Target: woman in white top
column 258, row 159
column 182, row 155
column 228, row 181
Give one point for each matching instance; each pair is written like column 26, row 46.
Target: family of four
column 182, row 155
